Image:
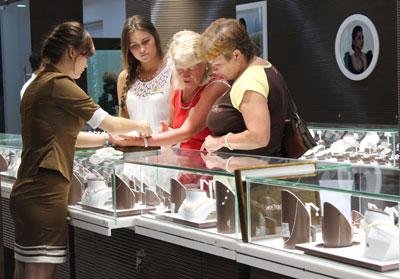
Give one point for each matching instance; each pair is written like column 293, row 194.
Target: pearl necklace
column 141, row 78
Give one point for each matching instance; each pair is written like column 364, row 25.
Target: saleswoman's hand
column 144, row 128
column 125, row 140
column 212, row 143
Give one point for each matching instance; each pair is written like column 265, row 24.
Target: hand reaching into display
column 126, row 140
column 212, row 144
column 213, row 161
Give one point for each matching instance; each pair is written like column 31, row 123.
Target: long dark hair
column 130, row 63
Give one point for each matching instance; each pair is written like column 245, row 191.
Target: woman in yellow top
column 53, row 112
column 250, row 119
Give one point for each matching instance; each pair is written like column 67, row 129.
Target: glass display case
column 355, row 146
column 10, row 155
column 347, row 214
column 198, row 189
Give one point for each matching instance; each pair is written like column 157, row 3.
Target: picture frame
column 254, row 17
column 352, row 31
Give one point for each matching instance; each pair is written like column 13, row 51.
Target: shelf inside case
column 358, row 146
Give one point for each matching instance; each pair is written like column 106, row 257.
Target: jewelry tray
column 350, row 255
column 173, row 217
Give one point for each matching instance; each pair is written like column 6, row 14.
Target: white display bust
column 197, row 206
column 382, row 242
column 96, row 193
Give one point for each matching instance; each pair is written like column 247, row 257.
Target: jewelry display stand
column 3, row 164
column 378, row 250
column 75, row 191
column 356, row 218
column 152, row 198
column 225, row 200
column 296, row 223
column 197, row 207
column 375, row 215
column 13, row 164
column 164, row 196
column 194, row 209
column 350, row 255
column 125, row 198
column 336, row 229
column 355, row 146
column 178, row 194
column 382, row 242
column 96, row 194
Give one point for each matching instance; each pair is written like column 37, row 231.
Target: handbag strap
column 292, row 108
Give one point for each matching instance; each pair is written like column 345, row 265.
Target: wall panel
column 301, row 45
column 134, row 7
column 171, row 16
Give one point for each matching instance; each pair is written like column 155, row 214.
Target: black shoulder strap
column 292, row 108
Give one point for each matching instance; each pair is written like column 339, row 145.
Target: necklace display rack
column 337, row 231
column 225, row 199
column 296, row 221
column 373, row 246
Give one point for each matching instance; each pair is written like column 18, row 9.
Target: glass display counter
column 263, row 207
column 197, row 189
column 348, row 215
column 355, row 146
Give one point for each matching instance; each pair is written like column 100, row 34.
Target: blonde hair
column 183, row 49
column 222, row 37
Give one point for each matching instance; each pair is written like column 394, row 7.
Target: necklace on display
column 143, row 79
column 194, row 206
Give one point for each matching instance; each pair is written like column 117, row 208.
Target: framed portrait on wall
column 357, row 47
column 254, row 18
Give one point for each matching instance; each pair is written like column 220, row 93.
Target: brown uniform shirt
column 53, row 112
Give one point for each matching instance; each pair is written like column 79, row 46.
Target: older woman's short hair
column 183, row 50
column 222, row 37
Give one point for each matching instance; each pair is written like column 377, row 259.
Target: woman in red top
column 194, row 91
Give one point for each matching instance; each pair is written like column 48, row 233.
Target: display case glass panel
column 345, row 214
column 198, row 189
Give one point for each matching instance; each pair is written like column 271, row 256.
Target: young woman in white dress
column 144, row 83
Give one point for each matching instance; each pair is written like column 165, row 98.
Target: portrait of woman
column 357, row 47
column 359, row 61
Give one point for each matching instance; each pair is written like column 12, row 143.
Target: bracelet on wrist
column 227, row 142
column 227, row 164
column 107, row 139
column 146, row 144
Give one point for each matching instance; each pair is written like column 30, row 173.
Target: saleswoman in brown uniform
column 53, row 112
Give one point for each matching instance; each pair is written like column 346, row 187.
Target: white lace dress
column 150, row 100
